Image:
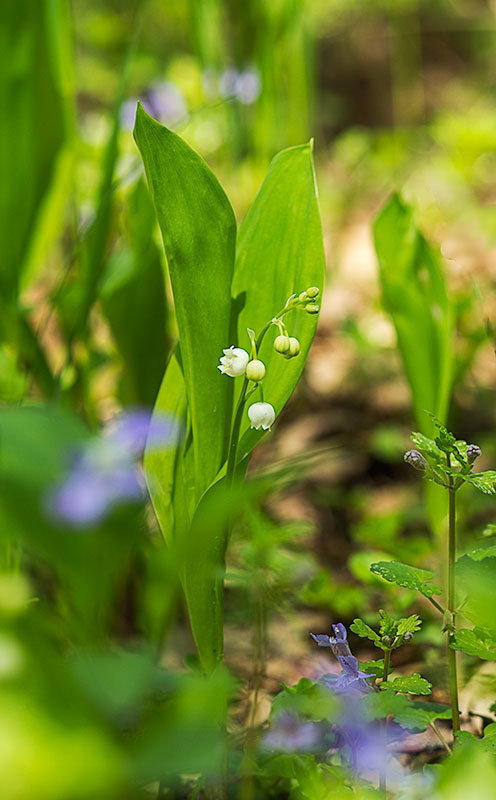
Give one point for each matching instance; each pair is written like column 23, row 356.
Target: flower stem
column 453, row 679
column 238, row 416
column 440, row 736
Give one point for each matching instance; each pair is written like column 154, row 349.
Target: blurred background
column 398, row 97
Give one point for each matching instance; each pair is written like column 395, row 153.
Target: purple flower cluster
column 351, row 676
column 106, row 470
column 363, row 745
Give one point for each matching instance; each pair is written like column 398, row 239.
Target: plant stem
column 385, row 673
column 238, row 416
column 440, row 736
column 436, row 605
column 453, row 679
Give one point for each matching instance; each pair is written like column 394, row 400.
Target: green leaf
column 476, row 579
column 307, row 699
column 488, row 743
column 363, row 630
column 280, row 252
column 477, row 642
column 427, row 446
column 417, row 715
column 378, row 705
column 408, row 684
column 199, row 231
column 407, row 577
column 34, row 125
column 484, row 481
column 409, row 625
column 414, row 293
column 374, row 667
column 133, row 300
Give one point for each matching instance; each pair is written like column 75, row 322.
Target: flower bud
column 386, row 641
column 313, row 291
column 312, row 308
column 415, row 459
column 281, row 344
column 303, row 297
column 473, row 452
column 255, row 370
column 261, row 415
column 408, row 636
column 294, row 347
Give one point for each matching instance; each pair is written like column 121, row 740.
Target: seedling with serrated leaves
column 392, row 634
column 448, row 462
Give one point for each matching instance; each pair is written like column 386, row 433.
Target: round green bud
column 294, row 347
column 303, row 297
column 313, row 291
column 281, row 344
column 255, row 370
column 312, row 308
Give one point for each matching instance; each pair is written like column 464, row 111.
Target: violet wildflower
column 338, row 642
column 351, row 677
column 292, row 734
column 106, row 470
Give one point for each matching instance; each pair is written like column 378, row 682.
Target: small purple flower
column 292, row 734
column 351, row 677
column 338, row 643
column 106, row 470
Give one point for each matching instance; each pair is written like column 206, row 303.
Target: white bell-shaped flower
column 234, row 361
column 261, row 415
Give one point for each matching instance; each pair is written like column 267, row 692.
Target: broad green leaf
column 408, row 684
column 198, row 229
column 477, row 642
column 285, row 219
column 483, row 552
column 279, row 252
column 33, row 127
column 475, row 580
column 415, row 296
column 487, row 743
column 307, row 699
column 133, row 300
column 417, row 715
column 378, row 705
column 363, row 630
column 164, row 468
column 407, row 577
